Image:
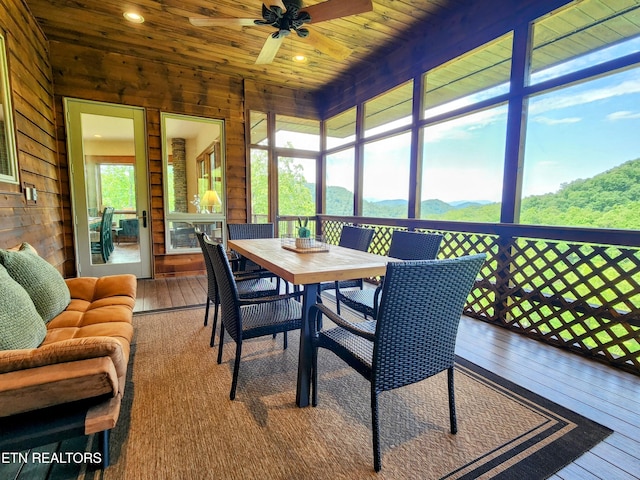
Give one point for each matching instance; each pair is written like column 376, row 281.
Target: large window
column 298, row 133
column 8, row 155
column 341, row 129
column 463, row 164
column 296, row 186
column 193, row 179
column 386, row 177
column 340, row 177
column 582, row 156
column 388, row 111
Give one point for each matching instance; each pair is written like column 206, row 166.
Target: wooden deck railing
column 577, row 289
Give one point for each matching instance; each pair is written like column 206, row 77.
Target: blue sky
column 574, row 132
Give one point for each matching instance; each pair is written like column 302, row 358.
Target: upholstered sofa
column 64, row 351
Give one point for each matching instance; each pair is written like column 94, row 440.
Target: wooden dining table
column 308, row 270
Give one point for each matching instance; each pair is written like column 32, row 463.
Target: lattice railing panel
column 583, row 297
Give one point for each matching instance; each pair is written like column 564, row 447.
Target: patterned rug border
column 552, row 457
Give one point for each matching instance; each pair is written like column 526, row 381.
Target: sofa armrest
column 41, row 387
column 65, row 351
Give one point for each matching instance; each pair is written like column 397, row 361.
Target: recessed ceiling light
column 299, row 58
column 133, row 17
column 97, row 135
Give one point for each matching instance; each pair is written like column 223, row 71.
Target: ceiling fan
column 289, row 15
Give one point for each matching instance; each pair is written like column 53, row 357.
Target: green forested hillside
column 608, row 200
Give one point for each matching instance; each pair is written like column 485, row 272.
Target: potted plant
column 304, row 234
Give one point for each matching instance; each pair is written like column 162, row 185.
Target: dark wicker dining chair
column 414, row 336
column 243, row 231
column 243, row 319
column 357, row 238
column 249, row 285
column 405, row 246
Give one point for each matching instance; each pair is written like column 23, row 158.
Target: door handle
column 144, row 219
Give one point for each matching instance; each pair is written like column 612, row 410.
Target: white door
column 109, row 188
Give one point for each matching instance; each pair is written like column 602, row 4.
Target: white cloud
column 556, row 121
column 622, row 115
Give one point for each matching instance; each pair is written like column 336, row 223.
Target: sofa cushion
column 41, row 280
column 20, row 324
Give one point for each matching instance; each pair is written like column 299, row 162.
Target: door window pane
column 582, row 155
column 478, row 75
column 583, row 34
column 298, row 133
column 386, row 177
column 340, row 172
column 8, row 155
column 296, row 186
column 463, row 162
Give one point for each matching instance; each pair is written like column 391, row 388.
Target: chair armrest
column 376, row 300
column 320, row 309
column 273, row 298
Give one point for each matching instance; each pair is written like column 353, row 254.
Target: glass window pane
column 386, row 177
column 259, row 186
column 582, row 155
column 8, row 155
column 299, row 133
column 463, row 162
column 341, row 129
column 340, row 171
column 258, row 128
column 296, row 186
column 478, row 75
column 389, row 110
column 583, row 34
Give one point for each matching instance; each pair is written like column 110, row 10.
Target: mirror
column 8, row 156
column 193, row 165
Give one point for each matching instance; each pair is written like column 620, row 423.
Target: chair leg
column 285, row 341
column 452, row 401
column 220, row 344
column 337, row 298
column 314, row 376
column 236, row 368
column 215, row 324
column 206, row 312
column 104, row 447
column 375, row 429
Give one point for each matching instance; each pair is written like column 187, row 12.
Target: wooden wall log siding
column 81, row 72
column 468, row 27
column 40, row 224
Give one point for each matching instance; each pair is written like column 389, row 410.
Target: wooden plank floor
column 606, row 395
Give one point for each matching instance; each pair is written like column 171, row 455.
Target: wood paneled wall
column 90, row 74
column 31, row 84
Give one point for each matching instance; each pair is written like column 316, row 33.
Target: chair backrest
column 357, row 238
column 414, row 245
column 130, row 227
column 227, row 289
column 105, row 226
column 417, row 323
column 212, row 289
column 242, row 231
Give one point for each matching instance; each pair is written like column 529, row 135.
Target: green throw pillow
column 43, row 283
column 20, row 324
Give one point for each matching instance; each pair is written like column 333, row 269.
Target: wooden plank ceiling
column 167, row 36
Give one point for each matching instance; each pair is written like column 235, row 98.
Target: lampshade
column 210, row 199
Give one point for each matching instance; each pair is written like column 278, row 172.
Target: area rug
column 177, row 420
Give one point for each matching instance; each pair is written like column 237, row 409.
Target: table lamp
column 210, row 201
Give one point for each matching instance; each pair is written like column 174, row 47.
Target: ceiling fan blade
column 222, row 22
column 327, row 45
column 275, row 3
column 269, row 50
column 332, row 9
